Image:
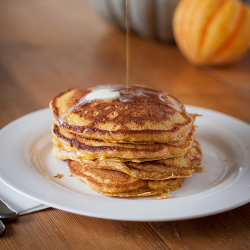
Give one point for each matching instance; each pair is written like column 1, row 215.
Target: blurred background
column 148, row 18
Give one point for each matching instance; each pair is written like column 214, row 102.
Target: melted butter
column 107, row 93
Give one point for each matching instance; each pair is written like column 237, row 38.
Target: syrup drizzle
column 127, row 45
column 199, row 169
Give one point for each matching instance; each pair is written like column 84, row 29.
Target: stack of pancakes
column 125, row 142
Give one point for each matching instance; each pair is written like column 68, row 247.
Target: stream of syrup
column 127, row 45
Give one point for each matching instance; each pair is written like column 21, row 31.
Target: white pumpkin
column 148, row 18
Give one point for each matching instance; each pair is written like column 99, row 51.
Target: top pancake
column 138, row 114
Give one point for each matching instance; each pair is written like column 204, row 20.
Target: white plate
column 27, row 166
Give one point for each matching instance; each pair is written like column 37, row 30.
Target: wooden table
column 48, row 46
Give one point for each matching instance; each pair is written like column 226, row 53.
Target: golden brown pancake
column 139, row 115
column 118, row 184
column 96, row 149
column 181, row 167
column 125, row 142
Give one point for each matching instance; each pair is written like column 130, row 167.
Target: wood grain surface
column 48, row 46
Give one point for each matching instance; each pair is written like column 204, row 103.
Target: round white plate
column 27, row 166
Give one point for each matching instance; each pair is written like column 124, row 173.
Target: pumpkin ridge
column 237, row 54
column 190, row 21
column 183, row 20
column 246, row 38
column 205, row 28
column 231, row 37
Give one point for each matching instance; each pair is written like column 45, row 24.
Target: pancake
column 96, row 149
column 125, row 142
column 118, row 184
column 181, row 167
column 136, row 114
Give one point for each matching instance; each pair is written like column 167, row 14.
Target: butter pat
column 107, row 93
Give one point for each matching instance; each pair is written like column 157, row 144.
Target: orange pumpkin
column 212, row 31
